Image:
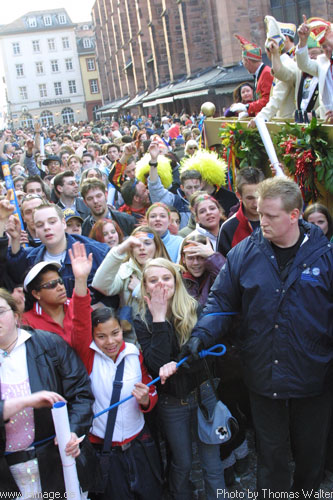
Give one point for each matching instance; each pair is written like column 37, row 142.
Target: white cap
column 36, row 270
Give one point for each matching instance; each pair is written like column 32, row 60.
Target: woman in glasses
column 47, row 306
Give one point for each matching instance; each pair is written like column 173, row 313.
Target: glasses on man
column 50, row 285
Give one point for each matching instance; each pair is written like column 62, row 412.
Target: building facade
column 42, row 70
column 86, row 46
column 145, row 45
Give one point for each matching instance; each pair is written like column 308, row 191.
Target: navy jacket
column 286, row 334
column 19, row 263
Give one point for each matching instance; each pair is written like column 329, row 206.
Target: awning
column 228, row 89
column 164, row 100
column 149, row 103
column 136, row 100
column 114, row 106
column 195, row 93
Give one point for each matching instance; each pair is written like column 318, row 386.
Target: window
column 72, row 86
column 39, row 68
column 62, row 19
column 16, row 48
column 65, row 42
column 48, row 20
column 57, row 88
column 54, row 66
column 51, row 44
column 42, row 90
column 35, row 46
column 46, row 118
column 91, row 64
column 32, row 22
column 19, row 70
column 69, row 64
column 93, row 86
column 85, row 27
column 86, row 43
column 290, row 10
column 67, row 115
column 95, row 108
column 23, row 93
column 26, row 120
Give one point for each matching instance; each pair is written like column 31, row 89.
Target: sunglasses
column 50, row 285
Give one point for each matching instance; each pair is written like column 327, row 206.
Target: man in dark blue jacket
column 281, row 281
column 50, row 228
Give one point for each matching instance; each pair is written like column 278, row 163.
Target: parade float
column 304, row 149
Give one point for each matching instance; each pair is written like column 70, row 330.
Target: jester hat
column 319, row 28
column 249, row 49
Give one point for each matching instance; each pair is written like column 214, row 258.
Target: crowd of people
column 130, row 257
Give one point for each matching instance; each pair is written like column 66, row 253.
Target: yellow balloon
column 208, row 109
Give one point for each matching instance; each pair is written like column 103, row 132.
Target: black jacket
column 52, row 366
column 159, row 344
column 126, row 222
column 286, row 334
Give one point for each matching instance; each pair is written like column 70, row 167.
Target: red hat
column 319, row 28
column 249, row 49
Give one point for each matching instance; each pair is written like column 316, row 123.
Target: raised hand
column 197, row 249
column 81, row 264
column 129, row 244
column 154, row 150
column 129, row 149
column 303, row 32
column 6, row 208
column 13, row 228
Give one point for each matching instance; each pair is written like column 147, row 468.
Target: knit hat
column 319, row 28
column 249, row 49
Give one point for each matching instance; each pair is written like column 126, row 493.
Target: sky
column 78, row 10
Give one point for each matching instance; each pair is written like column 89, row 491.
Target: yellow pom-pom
column 211, row 167
column 164, row 169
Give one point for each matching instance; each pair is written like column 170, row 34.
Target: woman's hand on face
column 198, row 249
column 158, row 303
column 141, row 394
column 133, row 282
column 130, row 242
column 167, row 370
column 43, row 399
column 81, row 264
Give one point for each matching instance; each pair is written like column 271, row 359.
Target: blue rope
column 202, row 354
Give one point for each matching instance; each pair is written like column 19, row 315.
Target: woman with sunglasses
column 47, row 306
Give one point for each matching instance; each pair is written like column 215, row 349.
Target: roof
column 136, row 100
column 21, row 24
column 113, row 107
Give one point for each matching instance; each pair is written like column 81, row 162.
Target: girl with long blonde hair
column 167, row 316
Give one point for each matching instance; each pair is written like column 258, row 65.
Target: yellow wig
column 163, row 169
column 211, row 167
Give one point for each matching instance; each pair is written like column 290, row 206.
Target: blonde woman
column 121, row 271
column 167, row 316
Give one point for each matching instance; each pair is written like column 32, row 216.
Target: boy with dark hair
column 246, row 219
